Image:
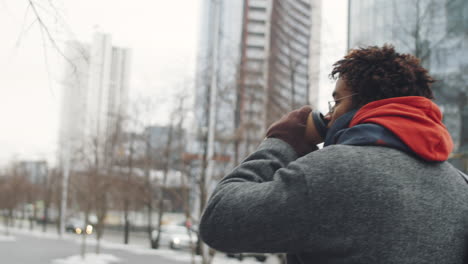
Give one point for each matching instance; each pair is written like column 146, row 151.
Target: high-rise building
column 165, row 142
column 108, row 85
column 258, row 54
column 95, row 92
column 35, row 171
column 434, row 31
column 74, row 97
column 220, row 29
column 274, row 66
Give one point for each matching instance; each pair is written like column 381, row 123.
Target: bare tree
column 432, row 30
column 128, row 182
column 106, row 173
column 168, row 154
column 126, row 159
column 45, row 14
column 140, row 154
column 92, row 184
column 418, row 27
column 82, row 187
column 31, row 192
column 14, row 185
column 49, row 193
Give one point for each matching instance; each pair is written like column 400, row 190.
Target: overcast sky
column 162, row 35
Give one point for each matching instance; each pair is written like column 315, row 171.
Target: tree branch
column 49, row 35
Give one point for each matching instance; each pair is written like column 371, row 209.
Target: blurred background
column 119, row 117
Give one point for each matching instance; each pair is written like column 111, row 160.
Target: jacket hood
column 414, row 120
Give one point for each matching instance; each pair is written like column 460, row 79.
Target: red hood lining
column 415, row 120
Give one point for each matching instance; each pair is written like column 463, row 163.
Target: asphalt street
column 35, row 246
column 44, row 250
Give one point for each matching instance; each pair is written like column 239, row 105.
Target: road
column 112, row 235
column 25, row 246
column 45, row 249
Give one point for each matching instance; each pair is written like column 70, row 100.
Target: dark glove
column 291, row 129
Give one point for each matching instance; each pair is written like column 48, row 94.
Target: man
column 380, row 191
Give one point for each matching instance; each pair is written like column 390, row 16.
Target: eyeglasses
column 332, row 104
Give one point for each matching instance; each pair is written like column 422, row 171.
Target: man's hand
column 291, row 129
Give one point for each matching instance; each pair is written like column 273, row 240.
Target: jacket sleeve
column 260, row 206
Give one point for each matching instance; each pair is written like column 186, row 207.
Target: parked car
column 176, row 237
column 77, row 226
column 240, row 256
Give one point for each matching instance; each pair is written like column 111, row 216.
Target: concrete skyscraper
column 95, row 91
column 256, row 54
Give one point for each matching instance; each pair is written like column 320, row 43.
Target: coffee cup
column 316, row 128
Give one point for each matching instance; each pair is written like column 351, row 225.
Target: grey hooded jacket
column 340, row 204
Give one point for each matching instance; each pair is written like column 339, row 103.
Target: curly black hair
column 376, row 73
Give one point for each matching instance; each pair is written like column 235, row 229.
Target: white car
column 176, row 237
column 77, row 226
